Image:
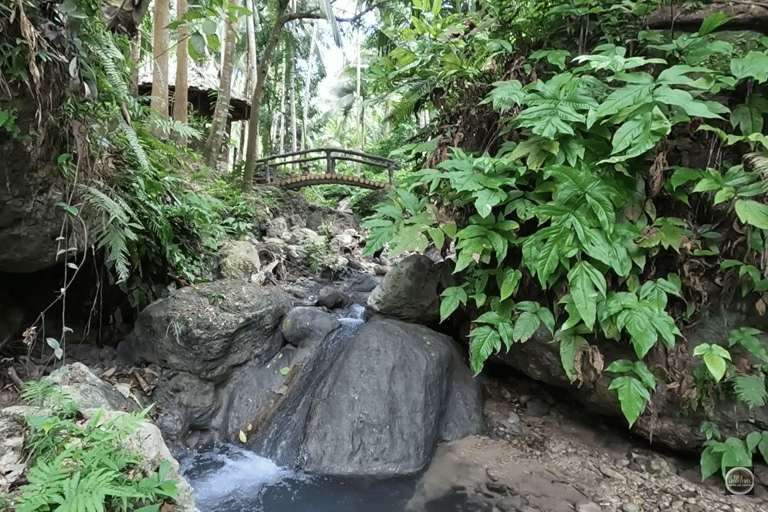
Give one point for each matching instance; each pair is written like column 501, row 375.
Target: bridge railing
column 331, row 155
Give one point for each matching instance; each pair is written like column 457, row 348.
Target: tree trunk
column 281, row 112
column 160, row 43
column 181, row 89
column 135, row 57
column 258, row 91
column 212, row 149
column 307, row 85
column 292, row 85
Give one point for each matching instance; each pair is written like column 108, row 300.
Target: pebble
column 510, row 504
column 536, row 407
column 630, row 507
column 587, row 506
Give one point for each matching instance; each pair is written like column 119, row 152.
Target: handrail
column 331, row 155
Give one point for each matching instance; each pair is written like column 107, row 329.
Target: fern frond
column 112, row 228
column 758, row 162
column 750, row 389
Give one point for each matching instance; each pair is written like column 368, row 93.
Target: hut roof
column 202, row 87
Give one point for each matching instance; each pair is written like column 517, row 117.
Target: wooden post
column 391, row 176
column 330, row 164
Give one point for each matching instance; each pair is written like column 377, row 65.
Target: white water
column 230, row 479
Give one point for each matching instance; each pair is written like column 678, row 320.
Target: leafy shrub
column 78, row 466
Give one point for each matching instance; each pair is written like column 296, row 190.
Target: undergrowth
column 79, row 465
column 581, row 213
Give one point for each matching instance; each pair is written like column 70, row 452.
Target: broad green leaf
column 509, row 280
column 451, row 299
column 587, row 286
column 710, row 461
column 437, row 236
column 753, row 65
column 628, row 96
column 547, row 318
column 636, row 322
column 736, row 454
column 486, row 199
column 751, row 212
column 684, row 100
column 570, row 345
column 525, row 326
column 748, row 119
column 620, row 366
column 747, row 338
column 485, row 341
column 506, row 332
column 632, row 396
column 712, row 21
column 714, row 357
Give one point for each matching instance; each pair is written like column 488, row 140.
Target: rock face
column 376, row 413
column 29, row 220
column 303, row 387
column 673, row 422
column 208, row 330
column 411, row 291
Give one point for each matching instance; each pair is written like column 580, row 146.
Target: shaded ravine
column 281, row 440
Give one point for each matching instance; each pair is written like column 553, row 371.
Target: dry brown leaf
column 656, row 174
column 760, row 307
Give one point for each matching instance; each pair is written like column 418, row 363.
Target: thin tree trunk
column 359, row 101
column 281, row 129
column 258, row 91
column 292, row 85
column 135, row 57
column 160, row 41
column 307, row 85
column 213, row 145
column 181, row 88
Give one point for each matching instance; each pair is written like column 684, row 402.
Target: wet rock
column 587, row 506
column 209, row 329
column 332, row 298
column 188, row 403
column 510, row 504
column 301, row 236
column 277, row 227
column 306, row 325
column 239, row 260
column 393, row 394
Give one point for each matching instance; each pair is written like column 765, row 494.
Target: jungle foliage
column 574, row 205
column 80, row 466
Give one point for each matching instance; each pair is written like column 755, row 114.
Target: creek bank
column 235, row 354
column 90, row 394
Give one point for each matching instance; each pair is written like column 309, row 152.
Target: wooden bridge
column 273, row 164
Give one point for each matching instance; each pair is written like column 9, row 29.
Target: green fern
column 113, row 228
column 750, row 389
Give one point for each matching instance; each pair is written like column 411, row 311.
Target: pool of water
column 230, row 479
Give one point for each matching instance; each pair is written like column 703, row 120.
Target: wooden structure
column 272, row 164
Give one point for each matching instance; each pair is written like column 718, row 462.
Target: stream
column 230, row 478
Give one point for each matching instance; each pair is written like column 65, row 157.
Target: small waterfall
column 281, row 440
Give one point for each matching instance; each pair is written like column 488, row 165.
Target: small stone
column 588, row 506
column 536, row 407
column 510, row 504
column 630, row 507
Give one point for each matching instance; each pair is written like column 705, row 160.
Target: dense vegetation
column 594, row 178
column 603, row 192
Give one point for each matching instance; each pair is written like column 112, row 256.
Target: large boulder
column 670, row 419
column 30, row 221
column 411, row 291
column 209, row 329
column 394, row 393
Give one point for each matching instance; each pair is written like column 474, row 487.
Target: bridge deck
column 327, row 179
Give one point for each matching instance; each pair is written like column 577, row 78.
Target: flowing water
column 228, row 478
